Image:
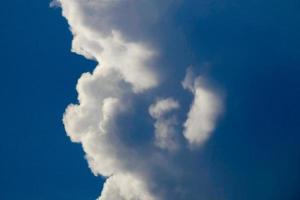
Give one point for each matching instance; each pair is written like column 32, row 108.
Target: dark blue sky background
column 254, row 50
column 38, row 78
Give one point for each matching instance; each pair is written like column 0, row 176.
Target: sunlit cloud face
column 117, row 34
column 204, row 111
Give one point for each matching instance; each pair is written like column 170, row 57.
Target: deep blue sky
column 254, row 48
column 38, row 78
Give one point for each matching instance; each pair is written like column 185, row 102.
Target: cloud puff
column 103, row 97
column 92, row 41
column 204, row 111
column 165, row 130
column 125, row 186
column 112, row 120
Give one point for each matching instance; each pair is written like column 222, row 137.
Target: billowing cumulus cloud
column 129, row 116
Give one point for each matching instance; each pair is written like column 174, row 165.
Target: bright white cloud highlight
column 107, row 46
column 125, row 186
column 204, row 111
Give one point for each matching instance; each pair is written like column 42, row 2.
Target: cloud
column 92, row 41
column 93, row 123
column 204, row 111
column 165, row 126
column 130, row 132
column 125, row 186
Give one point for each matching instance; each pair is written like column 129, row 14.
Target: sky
column 183, row 100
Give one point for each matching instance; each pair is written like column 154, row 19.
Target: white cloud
column 93, row 123
column 126, row 78
column 165, row 126
column 111, row 50
column 204, row 110
column 125, row 186
column 103, row 95
column 163, row 106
